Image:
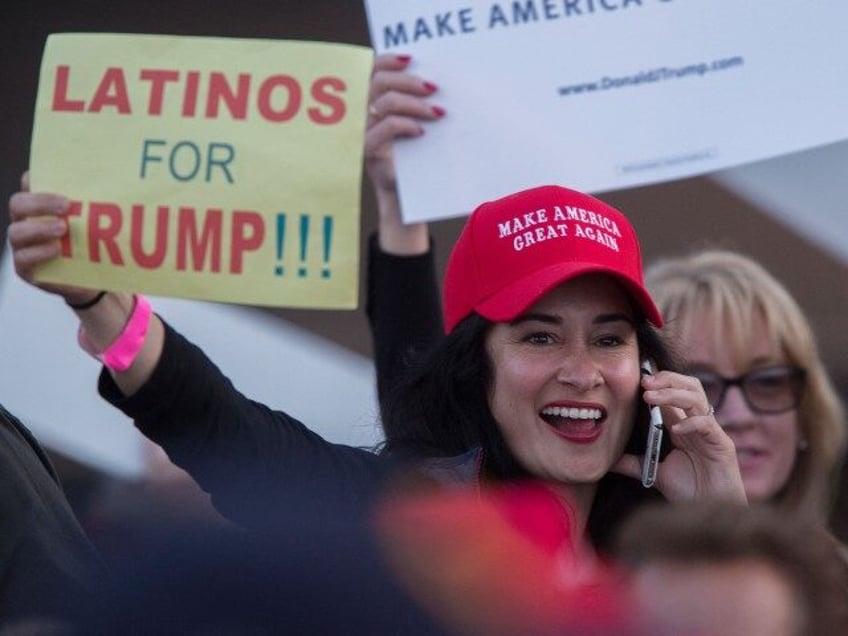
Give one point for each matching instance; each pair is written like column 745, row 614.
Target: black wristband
column 88, row 303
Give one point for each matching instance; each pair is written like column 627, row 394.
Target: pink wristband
column 120, row 355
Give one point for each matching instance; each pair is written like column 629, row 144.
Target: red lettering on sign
column 61, row 103
column 293, row 98
column 277, row 98
column 323, row 92
column 190, row 94
column 220, row 90
column 112, row 91
column 198, row 236
column 197, row 245
column 248, row 234
column 158, row 79
column 155, row 258
column 104, row 224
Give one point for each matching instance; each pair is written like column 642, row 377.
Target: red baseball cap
column 514, row 250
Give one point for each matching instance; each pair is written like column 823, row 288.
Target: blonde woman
column 745, row 337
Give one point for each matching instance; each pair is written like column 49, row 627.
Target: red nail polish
column 403, row 59
column 431, row 87
column 438, row 111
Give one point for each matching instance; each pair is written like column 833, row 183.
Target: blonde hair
column 729, row 288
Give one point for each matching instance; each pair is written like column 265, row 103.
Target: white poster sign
column 607, row 94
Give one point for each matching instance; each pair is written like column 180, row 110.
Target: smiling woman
column 539, row 373
column 581, row 336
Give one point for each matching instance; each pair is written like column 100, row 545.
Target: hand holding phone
column 655, row 434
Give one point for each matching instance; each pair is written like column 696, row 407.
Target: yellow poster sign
column 208, row 168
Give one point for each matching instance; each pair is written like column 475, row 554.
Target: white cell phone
column 655, row 434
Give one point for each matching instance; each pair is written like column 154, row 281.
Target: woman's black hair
column 440, row 408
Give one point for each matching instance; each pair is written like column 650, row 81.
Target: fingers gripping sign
column 38, row 225
column 397, row 106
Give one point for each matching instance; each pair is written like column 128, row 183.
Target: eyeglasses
column 767, row 390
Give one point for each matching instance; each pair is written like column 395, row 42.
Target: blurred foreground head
column 724, row 569
column 502, row 561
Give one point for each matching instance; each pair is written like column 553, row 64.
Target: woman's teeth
column 572, row 413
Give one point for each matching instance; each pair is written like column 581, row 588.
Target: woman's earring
column 803, row 444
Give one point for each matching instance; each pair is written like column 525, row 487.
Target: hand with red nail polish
column 398, row 107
